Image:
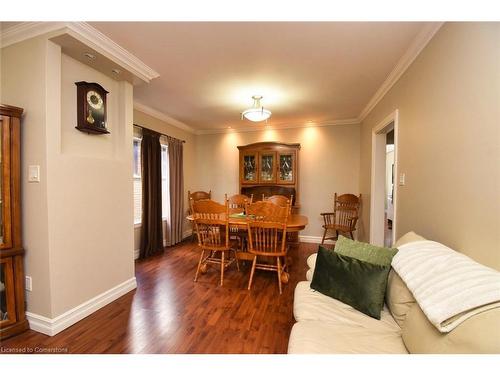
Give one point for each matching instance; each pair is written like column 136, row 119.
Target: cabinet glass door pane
column 249, row 168
column 267, row 168
column 7, row 312
column 286, row 168
column 4, row 315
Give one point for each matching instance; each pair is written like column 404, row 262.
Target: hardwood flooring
column 169, row 313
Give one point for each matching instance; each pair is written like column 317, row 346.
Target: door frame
column 377, row 201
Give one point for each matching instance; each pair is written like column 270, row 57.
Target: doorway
column 383, row 182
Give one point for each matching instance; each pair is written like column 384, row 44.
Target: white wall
column 89, row 193
column 449, row 142
column 77, row 222
column 329, row 163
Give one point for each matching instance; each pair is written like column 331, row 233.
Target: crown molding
column 418, row 44
column 86, row 34
column 163, row 117
column 28, row 30
column 282, row 126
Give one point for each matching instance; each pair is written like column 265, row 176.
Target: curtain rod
column 166, row 135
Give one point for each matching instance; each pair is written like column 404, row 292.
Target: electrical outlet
column 28, row 283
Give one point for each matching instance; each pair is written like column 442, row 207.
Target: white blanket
column 449, row 286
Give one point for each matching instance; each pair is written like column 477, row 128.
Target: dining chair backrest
column 280, row 200
column 212, row 223
column 198, row 195
column 346, row 210
column 238, row 202
column 267, row 228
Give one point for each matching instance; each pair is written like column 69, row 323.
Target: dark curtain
column 174, row 226
column 151, row 229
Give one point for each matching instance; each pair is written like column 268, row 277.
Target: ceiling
column 319, row 72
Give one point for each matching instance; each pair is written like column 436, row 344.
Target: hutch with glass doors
column 12, row 307
column 270, row 168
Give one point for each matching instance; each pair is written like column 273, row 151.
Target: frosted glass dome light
column 257, row 113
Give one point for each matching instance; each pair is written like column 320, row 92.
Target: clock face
column 94, row 99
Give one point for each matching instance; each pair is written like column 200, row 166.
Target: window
column 137, row 182
column 165, row 182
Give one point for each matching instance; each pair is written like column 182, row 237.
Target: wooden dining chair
column 267, row 237
column 280, row 200
column 196, row 196
column 344, row 217
column 211, row 220
column 237, row 204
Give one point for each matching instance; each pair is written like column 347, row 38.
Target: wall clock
column 91, row 107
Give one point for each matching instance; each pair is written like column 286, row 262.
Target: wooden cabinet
column 270, row 168
column 12, row 307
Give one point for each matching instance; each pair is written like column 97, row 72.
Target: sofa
column 325, row 325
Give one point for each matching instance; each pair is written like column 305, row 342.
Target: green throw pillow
column 355, row 282
column 364, row 251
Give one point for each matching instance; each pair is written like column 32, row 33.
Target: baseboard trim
column 187, row 234
column 314, row 239
column 52, row 327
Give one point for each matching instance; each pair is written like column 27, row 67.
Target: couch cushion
column 398, row 297
column 480, row 334
column 309, row 274
column 311, row 305
column 407, row 238
column 321, row 337
column 311, row 261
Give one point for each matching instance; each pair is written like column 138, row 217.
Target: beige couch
column 326, row 325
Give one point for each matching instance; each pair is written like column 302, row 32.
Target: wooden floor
column 169, row 313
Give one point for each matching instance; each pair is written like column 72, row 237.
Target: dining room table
column 295, row 223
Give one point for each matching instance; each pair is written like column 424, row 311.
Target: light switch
column 402, row 179
column 28, row 283
column 34, row 173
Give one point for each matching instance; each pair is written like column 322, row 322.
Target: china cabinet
column 270, row 168
column 12, row 307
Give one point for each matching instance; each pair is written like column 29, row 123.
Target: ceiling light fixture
column 257, row 113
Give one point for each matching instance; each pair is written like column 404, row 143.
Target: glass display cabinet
column 269, row 168
column 12, row 307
